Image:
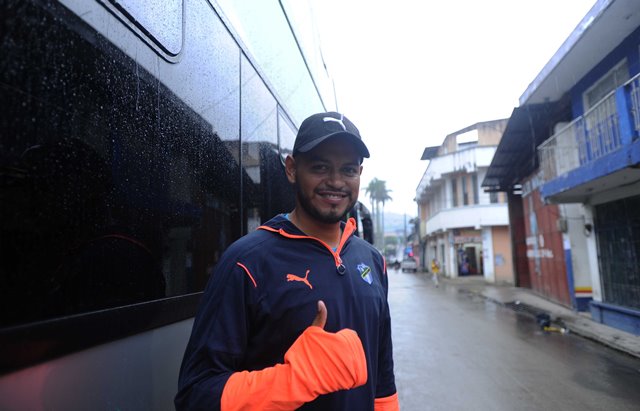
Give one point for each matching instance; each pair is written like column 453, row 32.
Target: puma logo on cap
column 337, row 120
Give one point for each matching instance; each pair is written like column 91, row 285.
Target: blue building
column 573, row 145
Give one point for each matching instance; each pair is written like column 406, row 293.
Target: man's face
column 326, row 180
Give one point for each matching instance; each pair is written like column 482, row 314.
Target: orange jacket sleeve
column 317, row 363
column 389, row 403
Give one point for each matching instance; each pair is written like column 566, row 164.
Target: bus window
column 286, row 135
column 275, row 50
column 116, row 191
column 264, row 180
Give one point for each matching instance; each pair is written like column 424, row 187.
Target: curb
column 618, row 340
column 584, row 327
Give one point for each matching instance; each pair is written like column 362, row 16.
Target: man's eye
column 319, row 168
column 350, row 171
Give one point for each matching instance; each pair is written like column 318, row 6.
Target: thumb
column 321, row 316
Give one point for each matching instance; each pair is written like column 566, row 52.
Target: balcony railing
column 559, row 154
column 634, row 96
column 469, row 160
column 591, row 136
column 477, row 215
column 601, row 130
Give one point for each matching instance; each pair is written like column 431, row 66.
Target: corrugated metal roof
column 516, row 156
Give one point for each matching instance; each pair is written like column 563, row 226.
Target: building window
column 466, row 140
column 476, row 195
column 454, row 191
column 465, row 190
column 616, row 77
column 493, row 197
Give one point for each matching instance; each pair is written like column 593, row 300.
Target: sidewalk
column 577, row 323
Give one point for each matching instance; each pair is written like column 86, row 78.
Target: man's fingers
column 321, row 316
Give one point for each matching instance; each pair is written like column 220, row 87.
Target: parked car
column 395, row 264
column 409, row 264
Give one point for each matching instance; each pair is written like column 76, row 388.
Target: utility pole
column 404, row 237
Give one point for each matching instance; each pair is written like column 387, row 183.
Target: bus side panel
column 135, row 373
column 127, row 176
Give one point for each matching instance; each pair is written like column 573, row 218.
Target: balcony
column 478, row 215
column 596, row 151
column 468, row 159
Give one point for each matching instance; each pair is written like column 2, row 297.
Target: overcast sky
column 408, row 73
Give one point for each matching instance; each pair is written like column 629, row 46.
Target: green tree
column 383, row 197
column 372, row 191
column 379, row 195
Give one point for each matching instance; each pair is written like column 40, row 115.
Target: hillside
column 394, row 222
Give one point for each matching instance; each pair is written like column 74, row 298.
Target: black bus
column 138, row 140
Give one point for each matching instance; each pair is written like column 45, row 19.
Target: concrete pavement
column 573, row 321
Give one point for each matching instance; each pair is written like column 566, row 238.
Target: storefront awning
column 516, row 157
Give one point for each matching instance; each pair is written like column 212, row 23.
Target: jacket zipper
column 348, row 230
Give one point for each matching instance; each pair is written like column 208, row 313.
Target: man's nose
column 335, row 179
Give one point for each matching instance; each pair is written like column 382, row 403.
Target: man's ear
column 360, row 170
column 290, row 168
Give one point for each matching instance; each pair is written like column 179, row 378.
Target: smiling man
column 295, row 315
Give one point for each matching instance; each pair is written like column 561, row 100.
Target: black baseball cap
column 319, row 127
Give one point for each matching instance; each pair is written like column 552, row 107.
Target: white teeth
column 333, row 196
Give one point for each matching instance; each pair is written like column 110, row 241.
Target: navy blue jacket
column 255, row 306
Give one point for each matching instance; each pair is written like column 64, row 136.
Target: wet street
column 454, row 350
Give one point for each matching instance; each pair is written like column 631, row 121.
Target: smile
column 332, row 195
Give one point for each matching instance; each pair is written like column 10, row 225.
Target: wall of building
column 424, row 216
column 444, row 255
column 545, row 250
column 490, row 133
column 448, row 146
column 483, row 197
column 487, row 253
column 502, row 255
column 518, row 241
column 582, row 265
column 627, row 49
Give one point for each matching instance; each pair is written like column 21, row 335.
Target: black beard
column 331, row 218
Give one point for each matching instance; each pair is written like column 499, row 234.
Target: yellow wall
column 489, row 134
column 502, row 252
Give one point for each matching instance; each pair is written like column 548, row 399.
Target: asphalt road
column 454, row 350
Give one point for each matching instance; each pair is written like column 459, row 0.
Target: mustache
column 333, row 190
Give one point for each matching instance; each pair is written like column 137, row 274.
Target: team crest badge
column 365, row 273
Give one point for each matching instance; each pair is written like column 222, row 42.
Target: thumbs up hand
column 321, row 316
column 317, row 363
column 327, row 362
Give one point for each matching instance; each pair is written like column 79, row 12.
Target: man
column 296, row 314
column 435, row 270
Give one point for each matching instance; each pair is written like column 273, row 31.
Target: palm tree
column 372, row 191
column 378, row 193
column 383, row 197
